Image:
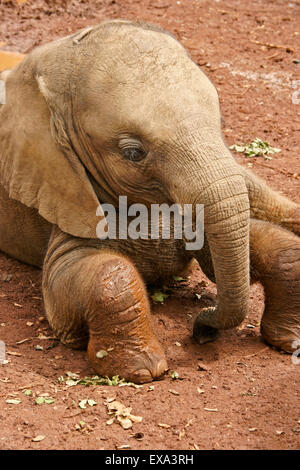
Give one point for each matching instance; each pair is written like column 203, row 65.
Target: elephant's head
column 121, row 109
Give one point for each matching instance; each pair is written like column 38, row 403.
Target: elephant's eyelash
column 129, row 143
column 132, row 149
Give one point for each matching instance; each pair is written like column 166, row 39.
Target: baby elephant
column 116, row 110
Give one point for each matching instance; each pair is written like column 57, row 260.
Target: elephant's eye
column 133, row 154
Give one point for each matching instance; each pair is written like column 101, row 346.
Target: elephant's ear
column 38, row 165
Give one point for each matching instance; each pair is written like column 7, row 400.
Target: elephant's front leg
column 268, row 205
column 97, row 297
column 275, row 262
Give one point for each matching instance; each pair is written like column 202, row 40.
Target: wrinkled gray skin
column 76, row 109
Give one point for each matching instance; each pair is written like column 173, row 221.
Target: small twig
column 272, row 46
column 30, row 386
column 23, row 340
column 273, row 56
column 257, row 352
column 247, row 89
column 75, row 414
column 244, row 92
column 279, row 170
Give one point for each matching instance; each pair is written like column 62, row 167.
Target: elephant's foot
column 122, row 341
column 97, row 298
column 279, row 332
column 131, row 359
column 294, row 221
column 275, row 261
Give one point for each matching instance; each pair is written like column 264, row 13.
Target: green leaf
column 49, row 400
column 256, row 148
column 178, row 278
column 159, row 296
column 97, row 380
column 40, row 400
column 174, row 375
column 44, row 400
column 27, row 393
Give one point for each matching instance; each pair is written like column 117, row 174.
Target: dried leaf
column 101, row 354
column 122, row 413
column 73, row 375
column 125, row 422
column 13, row 401
column 92, row 402
column 82, row 404
column 136, row 419
column 13, row 353
column 38, row 438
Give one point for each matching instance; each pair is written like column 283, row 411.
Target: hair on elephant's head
column 121, row 109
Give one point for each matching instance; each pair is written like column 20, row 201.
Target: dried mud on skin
column 236, row 393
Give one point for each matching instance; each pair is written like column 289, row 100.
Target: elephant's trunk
column 227, row 229
column 217, row 183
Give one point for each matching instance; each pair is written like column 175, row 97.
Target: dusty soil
column 236, row 393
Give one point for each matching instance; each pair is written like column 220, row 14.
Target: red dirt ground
column 252, row 388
